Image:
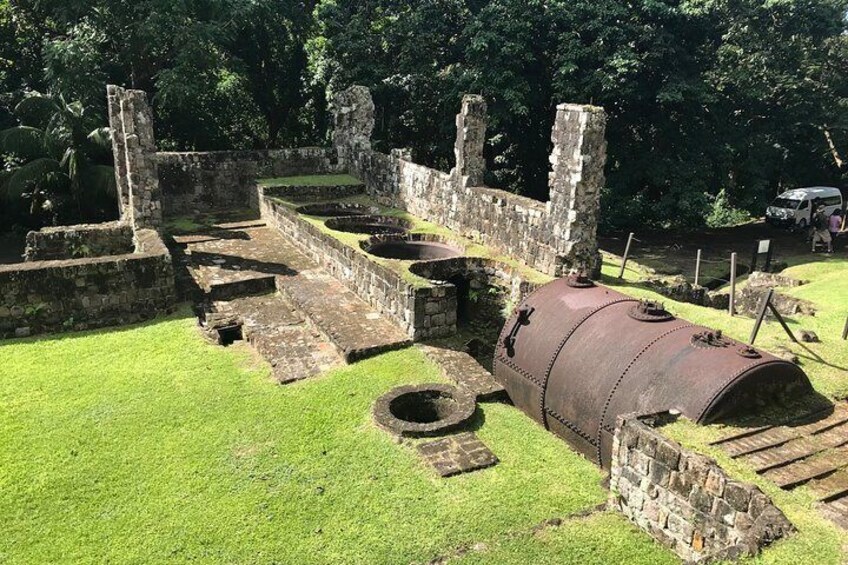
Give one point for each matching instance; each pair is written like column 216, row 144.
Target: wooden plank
column 798, row 449
column 797, row 473
column 832, row 486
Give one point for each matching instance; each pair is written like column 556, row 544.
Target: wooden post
column 845, row 330
column 732, row 306
column 626, row 254
column 698, row 268
column 761, row 315
column 755, row 256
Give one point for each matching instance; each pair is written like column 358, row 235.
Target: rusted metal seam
column 519, row 370
column 571, row 426
column 618, row 382
column 727, row 382
column 566, row 337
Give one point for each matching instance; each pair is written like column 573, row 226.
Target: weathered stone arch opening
column 484, row 292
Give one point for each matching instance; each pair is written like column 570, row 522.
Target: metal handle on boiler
column 523, row 319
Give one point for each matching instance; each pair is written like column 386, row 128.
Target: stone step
column 832, row 486
column 279, row 333
column 240, row 225
column 836, row 509
column 760, row 441
column 247, row 285
column 465, row 371
column 357, row 331
column 764, row 438
column 800, row 472
column 798, row 449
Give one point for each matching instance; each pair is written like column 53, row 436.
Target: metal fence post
column 698, row 268
column 626, row 254
column 732, row 306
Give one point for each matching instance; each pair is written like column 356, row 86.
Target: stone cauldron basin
column 372, row 225
column 415, row 247
column 424, row 410
column 336, row 209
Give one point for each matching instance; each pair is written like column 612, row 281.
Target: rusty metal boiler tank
column 576, row 355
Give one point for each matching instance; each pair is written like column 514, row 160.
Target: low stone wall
column 685, row 500
column 204, row 181
column 678, row 288
column 76, row 242
column 554, row 237
column 313, row 193
column 484, row 272
column 513, row 224
column 77, row 294
column 423, row 312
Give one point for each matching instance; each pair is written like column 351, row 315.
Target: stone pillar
column 470, row 138
column 353, row 120
column 134, row 149
column 576, row 179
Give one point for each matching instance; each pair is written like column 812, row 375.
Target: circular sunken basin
column 373, row 225
column 410, row 248
column 424, row 410
column 336, row 209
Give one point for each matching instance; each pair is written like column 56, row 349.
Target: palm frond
column 99, row 180
column 101, row 138
column 23, row 141
column 36, row 110
column 39, row 171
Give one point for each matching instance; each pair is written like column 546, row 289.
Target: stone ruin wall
column 74, row 242
column 134, row 150
column 422, row 311
column 90, row 276
column 685, row 500
column 555, row 238
column 193, row 182
column 77, row 294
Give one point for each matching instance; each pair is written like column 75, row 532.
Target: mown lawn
column 311, row 180
column 147, row 444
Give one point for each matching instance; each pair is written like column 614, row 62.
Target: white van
column 794, row 208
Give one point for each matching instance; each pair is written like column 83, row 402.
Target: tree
column 55, row 162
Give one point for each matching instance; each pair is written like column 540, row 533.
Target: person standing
column 821, row 227
column 835, row 225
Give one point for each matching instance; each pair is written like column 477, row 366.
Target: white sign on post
column 765, row 244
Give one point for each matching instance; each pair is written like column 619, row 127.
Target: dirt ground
column 674, row 253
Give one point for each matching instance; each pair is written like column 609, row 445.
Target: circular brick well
column 372, row 225
column 336, row 210
column 424, row 410
column 415, row 247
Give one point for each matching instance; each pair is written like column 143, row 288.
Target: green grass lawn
column 311, row 180
column 146, row 444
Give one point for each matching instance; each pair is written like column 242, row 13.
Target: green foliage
column 54, row 162
column 723, row 214
column 746, row 95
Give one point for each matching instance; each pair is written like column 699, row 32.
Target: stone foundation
column 206, row 181
column 76, row 294
column 422, row 311
column 555, row 238
column 76, row 242
column 134, row 149
column 685, row 500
